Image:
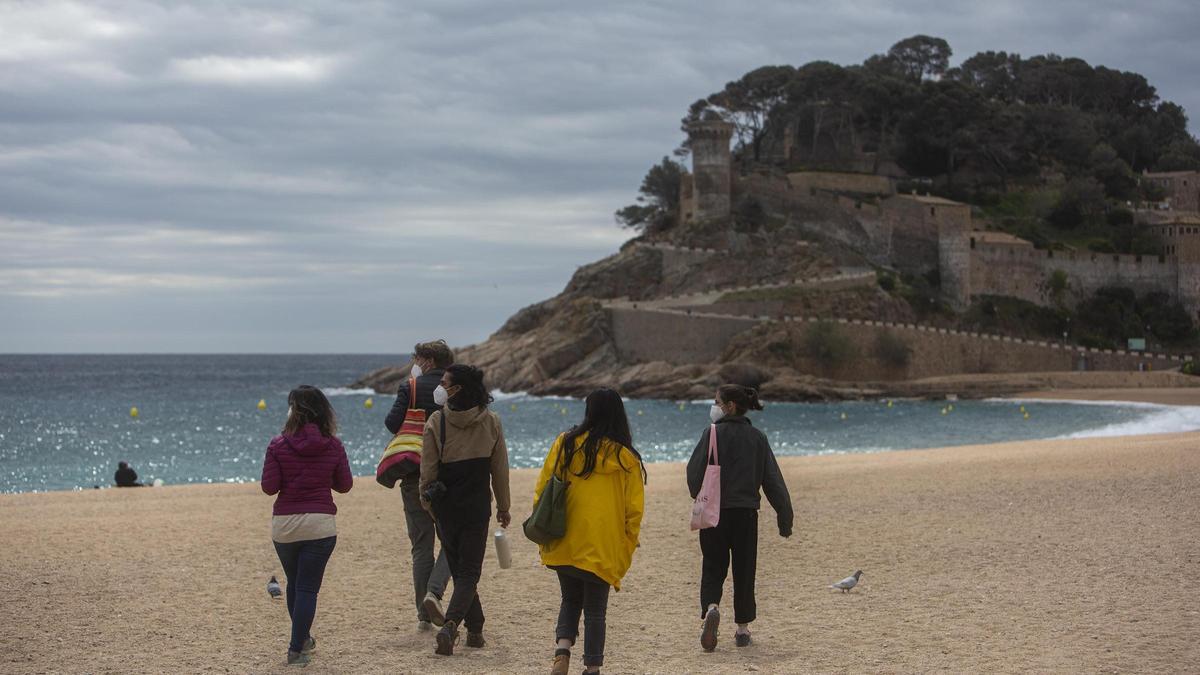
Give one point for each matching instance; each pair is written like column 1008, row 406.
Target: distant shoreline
column 1179, row 396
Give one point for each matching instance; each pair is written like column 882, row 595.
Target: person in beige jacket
column 463, row 448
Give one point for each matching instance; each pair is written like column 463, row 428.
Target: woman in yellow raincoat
column 605, row 477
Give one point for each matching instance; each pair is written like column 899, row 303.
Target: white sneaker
column 433, row 608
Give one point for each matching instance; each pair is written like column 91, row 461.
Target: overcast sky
column 335, row 176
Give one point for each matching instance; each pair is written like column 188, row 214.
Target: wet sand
column 1055, row 556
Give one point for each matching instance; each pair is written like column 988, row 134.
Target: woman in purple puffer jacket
column 303, row 464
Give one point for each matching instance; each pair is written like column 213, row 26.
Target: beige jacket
column 472, row 434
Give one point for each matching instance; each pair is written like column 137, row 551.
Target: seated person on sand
column 126, row 476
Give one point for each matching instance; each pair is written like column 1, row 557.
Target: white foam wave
column 1162, row 420
column 1116, row 404
column 349, row 391
column 498, row 395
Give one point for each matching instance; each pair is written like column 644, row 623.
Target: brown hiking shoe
column 475, row 640
column 708, row 636
column 562, row 664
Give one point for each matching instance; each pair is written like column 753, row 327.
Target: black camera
column 434, row 491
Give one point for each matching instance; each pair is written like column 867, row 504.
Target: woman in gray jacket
column 747, row 465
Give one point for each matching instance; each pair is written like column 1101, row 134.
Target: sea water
column 65, row 422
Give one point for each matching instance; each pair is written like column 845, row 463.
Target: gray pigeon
column 273, row 587
column 848, row 583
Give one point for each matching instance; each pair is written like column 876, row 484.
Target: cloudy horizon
column 351, row 177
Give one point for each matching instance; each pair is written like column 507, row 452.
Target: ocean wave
column 349, row 391
column 524, row 395
column 1162, row 420
column 1111, row 404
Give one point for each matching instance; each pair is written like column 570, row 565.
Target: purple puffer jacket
column 302, row 468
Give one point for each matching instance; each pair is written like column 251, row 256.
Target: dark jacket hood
column 308, row 441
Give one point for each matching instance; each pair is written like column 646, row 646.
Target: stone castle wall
column 642, row 336
column 831, row 181
column 1022, row 272
column 676, row 337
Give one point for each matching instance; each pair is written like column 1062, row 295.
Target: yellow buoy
column 950, row 407
column 513, row 407
column 1026, row 415
column 563, row 411
column 843, row 415
column 944, row 411
column 889, row 403
column 681, row 407
column 133, row 412
column 262, row 404
column 369, row 403
column 1022, row 408
column 641, row 413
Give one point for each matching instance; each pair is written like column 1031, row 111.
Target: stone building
column 1181, row 188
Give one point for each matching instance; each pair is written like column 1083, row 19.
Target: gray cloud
column 352, row 176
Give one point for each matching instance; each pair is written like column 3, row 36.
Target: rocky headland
column 801, row 320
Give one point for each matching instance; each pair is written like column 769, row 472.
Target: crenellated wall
column 680, row 337
column 1022, row 272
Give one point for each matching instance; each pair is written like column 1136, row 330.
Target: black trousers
column 735, row 537
column 591, row 599
column 464, row 541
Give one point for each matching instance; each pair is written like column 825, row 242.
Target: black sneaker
column 708, row 636
column 475, row 640
column 297, row 658
column 742, row 639
column 446, row 638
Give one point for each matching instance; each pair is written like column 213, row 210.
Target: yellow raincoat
column 604, row 512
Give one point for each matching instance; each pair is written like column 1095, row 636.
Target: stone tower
column 711, row 168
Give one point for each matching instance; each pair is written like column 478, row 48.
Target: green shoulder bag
column 548, row 522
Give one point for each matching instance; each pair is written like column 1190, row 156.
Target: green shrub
column 892, row 350
column 826, row 344
column 887, row 282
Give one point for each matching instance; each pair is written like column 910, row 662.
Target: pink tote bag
column 706, row 510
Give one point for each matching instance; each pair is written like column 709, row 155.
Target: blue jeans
column 304, row 565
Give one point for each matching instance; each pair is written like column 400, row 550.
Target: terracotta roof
column 930, row 199
column 1170, row 174
column 1179, row 219
column 990, row 237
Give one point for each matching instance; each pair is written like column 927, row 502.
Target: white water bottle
column 503, row 549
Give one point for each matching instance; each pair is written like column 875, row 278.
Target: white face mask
column 440, row 395
column 715, row 413
column 417, row 371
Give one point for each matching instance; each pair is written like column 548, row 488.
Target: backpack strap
column 442, row 448
column 412, row 393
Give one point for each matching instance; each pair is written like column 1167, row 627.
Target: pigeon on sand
column 848, row 583
column 273, row 587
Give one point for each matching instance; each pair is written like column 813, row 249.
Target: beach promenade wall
column 679, row 337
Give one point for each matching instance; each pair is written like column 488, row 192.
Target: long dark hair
column 743, row 398
column 309, row 406
column 473, row 393
column 604, row 417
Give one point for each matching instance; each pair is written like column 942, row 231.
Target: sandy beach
column 1062, row 556
column 1163, row 395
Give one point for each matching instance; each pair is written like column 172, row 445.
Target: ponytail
column 744, row 399
column 474, row 392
